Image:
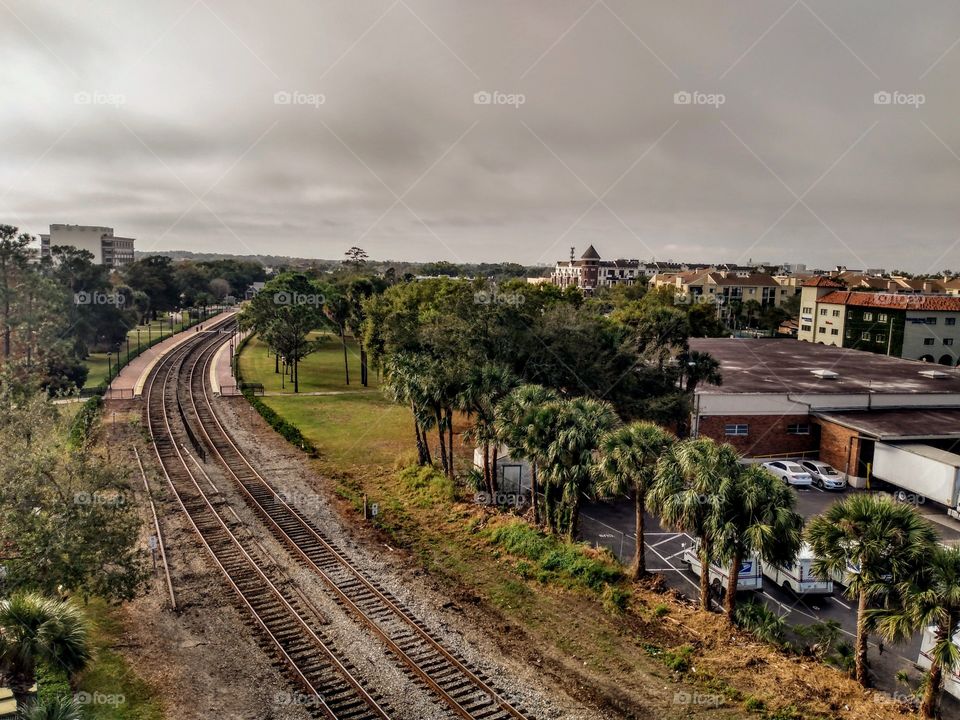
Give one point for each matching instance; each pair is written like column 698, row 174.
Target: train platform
column 222, row 380
column 129, row 383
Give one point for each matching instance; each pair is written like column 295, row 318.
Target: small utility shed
column 786, row 398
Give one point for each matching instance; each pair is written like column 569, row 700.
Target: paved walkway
column 129, row 383
column 221, row 369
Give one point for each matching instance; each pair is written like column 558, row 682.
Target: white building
column 107, row 248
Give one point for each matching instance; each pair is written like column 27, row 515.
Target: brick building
column 784, row 398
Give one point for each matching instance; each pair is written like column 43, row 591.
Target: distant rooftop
column 787, row 366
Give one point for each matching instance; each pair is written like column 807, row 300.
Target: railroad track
column 283, row 616
column 465, row 689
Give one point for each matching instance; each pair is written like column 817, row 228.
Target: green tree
column 874, row 543
column 403, row 384
column 928, row 598
column 574, row 437
column 154, row 276
column 754, row 513
column 628, row 461
column 38, row 630
column 15, row 256
column 483, row 388
column 521, row 425
column 685, row 495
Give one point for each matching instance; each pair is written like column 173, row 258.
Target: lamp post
column 138, row 341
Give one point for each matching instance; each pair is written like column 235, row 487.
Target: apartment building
column 590, row 272
column 911, row 326
column 107, row 249
column 727, row 286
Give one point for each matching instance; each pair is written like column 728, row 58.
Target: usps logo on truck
column 746, row 567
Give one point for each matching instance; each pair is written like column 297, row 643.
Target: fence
column 599, row 534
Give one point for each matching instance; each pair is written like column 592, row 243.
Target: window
column 798, row 429
column 949, row 321
column 948, row 341
column 928, row 341
column 868, row 316
column 931, row 321
column 836, row 313
column 834, row 331
column 882, row 317
column 849, row 333
column 823, row 311
column 805, row 328
column 735, row 429
column 864, row 336
column 821, row 330
column 807, row 311
column 880, row 337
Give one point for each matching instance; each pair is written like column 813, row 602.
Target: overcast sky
column 304, row 127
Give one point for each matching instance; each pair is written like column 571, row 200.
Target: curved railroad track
column 285, row 619
column 466, row 690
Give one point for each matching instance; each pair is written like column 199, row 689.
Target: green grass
column 97, row 366
column 350, row 429
column 321, row 371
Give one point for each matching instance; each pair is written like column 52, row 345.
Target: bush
column 678, row 660
column 428, row 485
column 660, row 610
column 287, row 429
column 761, row 621
column 84, row 420
column 52, row 683
column 555, row 559
column 615, row 599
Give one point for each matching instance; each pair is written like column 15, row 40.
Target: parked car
column 790, row 472
column 798, row 576
column 824, row 476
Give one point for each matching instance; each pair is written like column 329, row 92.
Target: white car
column 790, row 472
column 823, row 475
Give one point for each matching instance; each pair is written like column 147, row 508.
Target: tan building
column 728, row 286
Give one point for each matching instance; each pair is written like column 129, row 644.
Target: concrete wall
column 80, row 236
column 916, row 332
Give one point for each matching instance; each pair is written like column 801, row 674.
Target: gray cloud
column 193, row 113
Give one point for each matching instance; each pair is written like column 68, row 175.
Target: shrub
column 615, row 599
column 287, row 429
column 84, row 420
column 428, row 485
column 753, row 704
column 678, row 660
column 761, row 621
column 660, row 610
column 555, row 559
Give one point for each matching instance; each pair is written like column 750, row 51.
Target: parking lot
column 611, row 524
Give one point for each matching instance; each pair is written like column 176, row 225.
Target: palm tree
column 931, row 597
column 875, row 543
column 521, row 426
column 402, row 385
column 628, row 459
column 35, row 629
column 684, row 494
column 575, row 430
column 483, row 388
column 56, row 708
column 754, row 514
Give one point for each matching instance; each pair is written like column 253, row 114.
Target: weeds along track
column 465, row 689
column 285, row 621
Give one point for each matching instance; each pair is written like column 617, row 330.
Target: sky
column 807, row 131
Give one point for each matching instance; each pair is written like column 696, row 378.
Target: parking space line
column 679, row 572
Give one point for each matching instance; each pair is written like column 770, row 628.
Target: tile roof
column 936, row 303
column 821, row 281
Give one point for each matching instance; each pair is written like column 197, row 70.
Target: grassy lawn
column 321, row 371
column 97, row 364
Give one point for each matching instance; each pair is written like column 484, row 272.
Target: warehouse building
column 789, row 398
